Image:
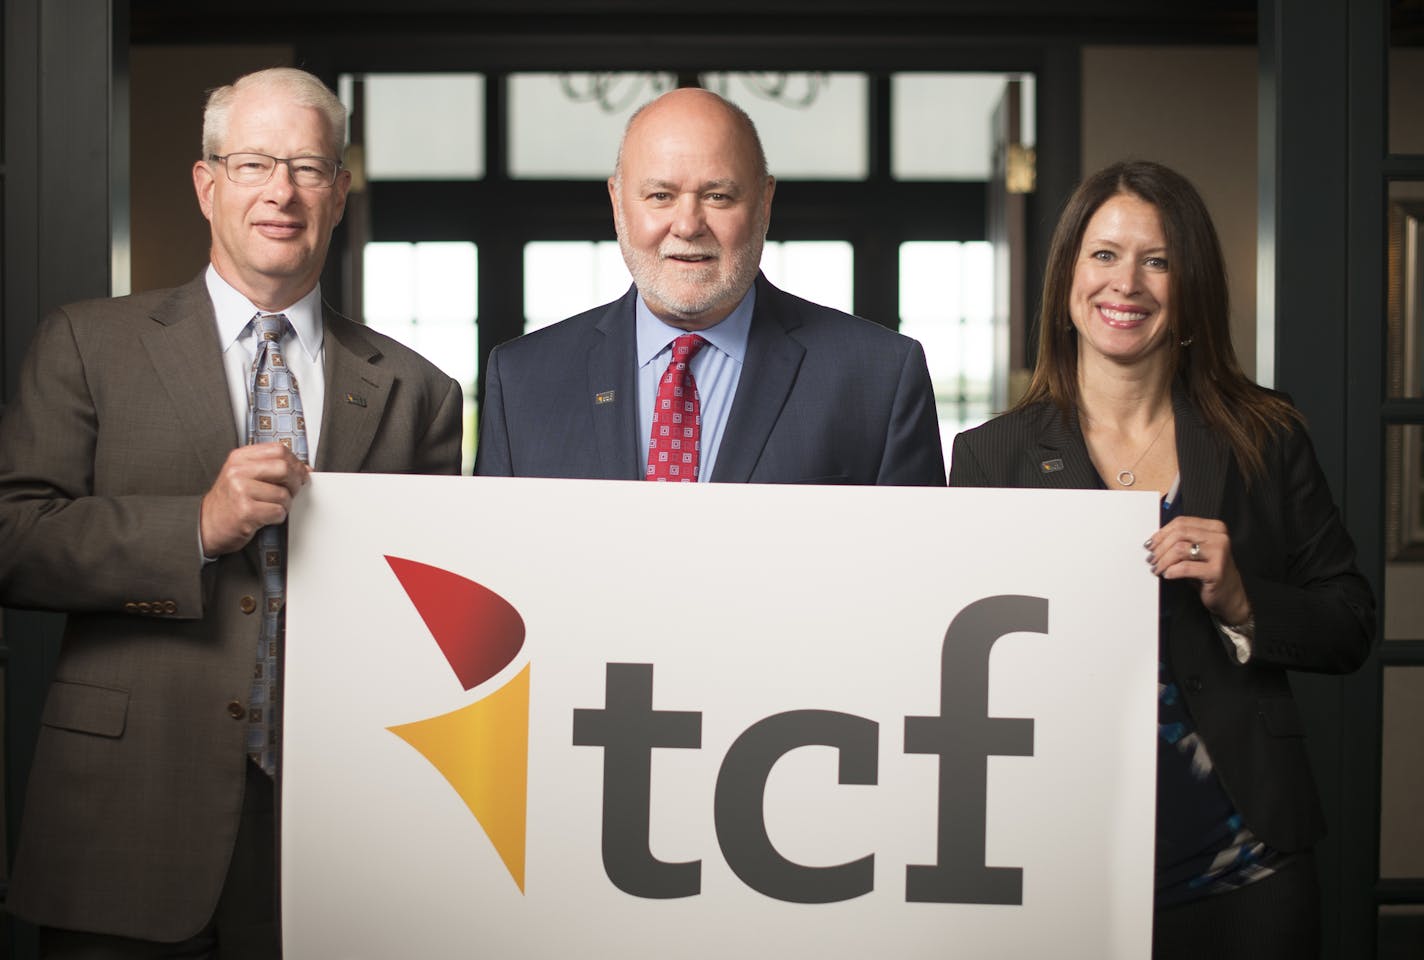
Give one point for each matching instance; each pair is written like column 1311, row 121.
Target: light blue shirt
column 716, row 369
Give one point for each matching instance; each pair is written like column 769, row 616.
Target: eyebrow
column 722, row 183
column 1105, row 242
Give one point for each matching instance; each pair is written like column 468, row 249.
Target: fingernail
column 1151, row 560
column 1147, row 544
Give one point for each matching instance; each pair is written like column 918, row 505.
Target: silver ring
column 1195, row 552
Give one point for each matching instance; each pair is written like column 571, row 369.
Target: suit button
column 170, row 606
column 234, row 710
column 145, row 607
column 130, row 607
column 1194, row 684
column 247, row 604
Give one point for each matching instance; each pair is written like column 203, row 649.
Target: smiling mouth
column 1119, row 317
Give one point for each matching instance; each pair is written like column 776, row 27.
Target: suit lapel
column 612, row 372
column 1202, row 462
column 357, row 391
column 183, row 348
column 186, row 354
column 773, row 357
column 1059, row 458
column 1202, row 459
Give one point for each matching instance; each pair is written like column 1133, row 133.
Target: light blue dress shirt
column 717, row 368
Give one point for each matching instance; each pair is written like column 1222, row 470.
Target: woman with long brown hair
column 1137, row 387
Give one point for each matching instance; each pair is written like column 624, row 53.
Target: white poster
column 548, row 719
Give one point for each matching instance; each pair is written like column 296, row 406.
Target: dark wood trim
column 65, row 206
column 1402, row 653
column 1360, row 376
column 1401, row 891
column 484, row 210
column 1402, row 410
column 19, row 267
column 1322, row 237
column 1059, row 158
column 903, row 21
column 1404, row 166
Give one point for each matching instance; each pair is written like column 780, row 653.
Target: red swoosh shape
column 479, row 631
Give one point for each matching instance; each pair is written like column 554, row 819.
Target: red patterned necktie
column 673, row 450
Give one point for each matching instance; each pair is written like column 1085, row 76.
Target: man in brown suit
column 129, row 501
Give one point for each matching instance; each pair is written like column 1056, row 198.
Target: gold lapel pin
column 604, row 397
column 1051, row 466
column 355, row 400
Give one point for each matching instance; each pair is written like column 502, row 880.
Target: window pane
column 567, row 126
column 946, row 303
column 817, row 270
column 388, row 291
column 940, row 123
column 425, row 295
column 1405, row 291
column 1402, row 774
column 1403, row 596
column 565, row 278
column 813, row 126
column 562, row 279
column 424, row 126
column 1404, row 531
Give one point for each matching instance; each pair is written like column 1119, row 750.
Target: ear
column 203, row 184
column 766, row 200
column 342, row 186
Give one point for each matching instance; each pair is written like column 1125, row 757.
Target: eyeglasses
column 255, row 169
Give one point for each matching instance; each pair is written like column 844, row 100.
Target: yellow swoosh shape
column 482, row 750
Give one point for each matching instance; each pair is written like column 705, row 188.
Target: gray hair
column 737, row 113
column 304, row 89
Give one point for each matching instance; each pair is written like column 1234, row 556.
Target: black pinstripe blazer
column 1313, row 610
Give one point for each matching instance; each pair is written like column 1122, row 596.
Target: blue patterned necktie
column 274, row 413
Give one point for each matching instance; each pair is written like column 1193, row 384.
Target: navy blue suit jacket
column 824, row 397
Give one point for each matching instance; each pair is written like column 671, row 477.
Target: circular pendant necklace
column 1126, row 477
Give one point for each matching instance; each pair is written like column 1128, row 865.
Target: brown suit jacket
column 120, row 424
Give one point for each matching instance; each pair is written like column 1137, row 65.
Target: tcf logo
column 482, row 750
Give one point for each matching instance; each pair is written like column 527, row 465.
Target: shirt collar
column 728, row 335
column 234, row 311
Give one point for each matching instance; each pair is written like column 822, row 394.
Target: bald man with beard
column 786, row 391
